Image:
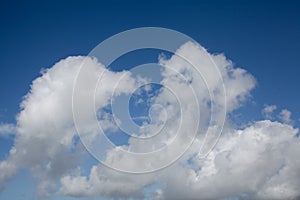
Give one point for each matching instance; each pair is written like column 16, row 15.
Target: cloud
column 285, row 116
column 268, row 110
column 257, row 162
column 260, row 161
column 7, row 130
column 45, row 130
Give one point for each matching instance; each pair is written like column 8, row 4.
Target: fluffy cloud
column 257, row 162
column 268, row 110
column 7, row 130
column 45, row 131
column 285, row 116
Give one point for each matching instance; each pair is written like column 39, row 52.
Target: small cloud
column 7, row 130
column 285, row 116
column 268, row 111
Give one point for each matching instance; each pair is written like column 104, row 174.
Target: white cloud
column 7, row 129
column 268, row 111
column 45, row 129
column 245, row 162
column 285, row 116
column 258, row 162
column 7, row 170
column 105, row 182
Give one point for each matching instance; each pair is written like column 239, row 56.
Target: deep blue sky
column 260, row 36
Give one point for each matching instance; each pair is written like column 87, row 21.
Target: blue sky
column 259, row 36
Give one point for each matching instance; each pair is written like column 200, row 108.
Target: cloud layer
column 256, row 162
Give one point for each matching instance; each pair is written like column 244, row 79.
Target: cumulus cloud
column 45, row 130
column 257, row 162
column 268, row 111
column 253, row 163
column 285, row 116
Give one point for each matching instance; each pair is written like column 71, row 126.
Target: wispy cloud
column 7, row 130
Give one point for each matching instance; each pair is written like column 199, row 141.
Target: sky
column 260, row 37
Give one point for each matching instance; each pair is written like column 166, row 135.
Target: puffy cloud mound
column 285, row 116
column 257, row 162
column 45, row 131
column 268, row 110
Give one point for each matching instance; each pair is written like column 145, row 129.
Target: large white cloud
column 45, row 130
column 257, row 162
